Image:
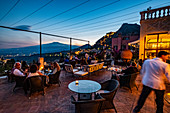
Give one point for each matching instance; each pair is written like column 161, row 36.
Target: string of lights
column 32, row 13
column 100, row 16
column 10, row 10
column 96, row 26
column 61, row 13
column 67, row 27
column 80, row 15
column 100, row 27
column 98, row 22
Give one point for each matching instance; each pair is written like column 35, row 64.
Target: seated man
column 131, row 69
column 17, row 70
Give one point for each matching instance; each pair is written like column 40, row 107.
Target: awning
column 134, row 42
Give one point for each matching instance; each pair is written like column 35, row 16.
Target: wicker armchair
column 10, row 76
column 111, row 87
column 55, row 78
column 128, row 80
column 69, row 69
column 36, row 83
column 19, row 80
column 88, row 106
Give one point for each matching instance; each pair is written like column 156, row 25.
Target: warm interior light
column 168, row 94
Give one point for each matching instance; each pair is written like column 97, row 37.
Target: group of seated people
column 83, row 60
column 131, row 69
column 33, row 70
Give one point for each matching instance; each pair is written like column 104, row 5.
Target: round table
column 85, row 88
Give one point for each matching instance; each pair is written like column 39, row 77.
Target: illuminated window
column 155, row 43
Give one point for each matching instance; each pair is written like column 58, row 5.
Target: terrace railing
column 155, row 13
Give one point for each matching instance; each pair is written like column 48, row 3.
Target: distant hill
column 125, row 30
column 104, row 40
column 86, row 46
column 30, row 50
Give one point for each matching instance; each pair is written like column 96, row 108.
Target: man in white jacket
column 154, row 72
column 17, row 71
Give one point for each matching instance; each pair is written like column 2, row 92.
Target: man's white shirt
column 154, row 72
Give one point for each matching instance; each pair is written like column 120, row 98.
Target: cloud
column 23, row 27
column 14, row 44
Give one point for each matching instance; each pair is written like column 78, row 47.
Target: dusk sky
column 83, row 19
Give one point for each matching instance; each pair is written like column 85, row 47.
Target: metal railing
column 41, row 33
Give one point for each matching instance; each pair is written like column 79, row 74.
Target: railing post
column 70, row 45
column 40, row 44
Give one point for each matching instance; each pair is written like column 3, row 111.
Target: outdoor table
column 46, row 72
column 117, row 72
column 84, row 88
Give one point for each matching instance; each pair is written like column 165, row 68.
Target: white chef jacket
column 154, row 72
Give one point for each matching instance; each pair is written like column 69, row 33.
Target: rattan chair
column 19, row 80
column 128, row 81
column 69, row 69
column 36, row 83
column 55, row 78
column 11, row 77
column 88, row 106
column 111, row 87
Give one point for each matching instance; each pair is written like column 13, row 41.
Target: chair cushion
column 81, row 73
column 103, row 91
column 75, row 70
column 104, row 67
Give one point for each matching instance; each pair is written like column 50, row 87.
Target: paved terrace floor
column 57, row 99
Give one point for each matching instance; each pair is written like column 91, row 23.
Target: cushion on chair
column 103, row 91
column 81, row 73
column 75, row 70
column 104, row 67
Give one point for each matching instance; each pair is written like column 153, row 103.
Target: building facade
column 104, row 42
column 154, row 32
column 126, row 34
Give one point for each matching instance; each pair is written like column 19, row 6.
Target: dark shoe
column 135, row 111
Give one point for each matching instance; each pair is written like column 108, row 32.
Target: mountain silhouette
column 30, row 50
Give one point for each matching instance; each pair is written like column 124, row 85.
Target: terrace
column 57, row 99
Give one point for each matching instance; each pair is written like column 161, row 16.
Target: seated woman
column 56, row 68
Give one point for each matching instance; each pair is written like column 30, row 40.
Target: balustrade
column 155, row 13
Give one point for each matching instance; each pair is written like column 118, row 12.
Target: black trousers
column 159, row 99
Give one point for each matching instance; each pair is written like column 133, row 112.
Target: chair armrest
column 98, row 96
column 104, row 85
